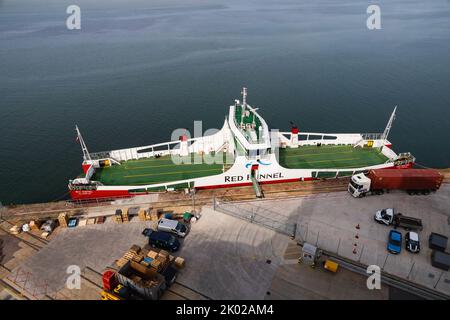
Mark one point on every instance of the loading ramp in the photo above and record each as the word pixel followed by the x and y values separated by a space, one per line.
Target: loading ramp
pixel 257 187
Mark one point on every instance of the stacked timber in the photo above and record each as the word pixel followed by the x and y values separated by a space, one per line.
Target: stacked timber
pixel 63 219
pixel 135 249
pixel 118 216
pixel 146 214
pixel 154 214
pixel 129 255
pixel 142 215
pixel 125 216
pixel 138 257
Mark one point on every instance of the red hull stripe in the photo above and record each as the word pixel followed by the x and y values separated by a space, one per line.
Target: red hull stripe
pixel 96 194
pixel 104 194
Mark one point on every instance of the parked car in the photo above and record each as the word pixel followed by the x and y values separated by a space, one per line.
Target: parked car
pixel 440 260
pixel 437 241
pixel 49 226
pixel 412 243
pixel 162 240
pixel 172 226
pixel 394 242
pixel 384 216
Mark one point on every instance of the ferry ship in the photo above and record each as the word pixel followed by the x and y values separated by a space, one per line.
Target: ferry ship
pixel 244 152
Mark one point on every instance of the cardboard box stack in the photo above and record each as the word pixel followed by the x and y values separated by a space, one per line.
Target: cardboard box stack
pixel 179 262
pixel 15 229
pixel 63 219
pixel 147 260
pixel 45 235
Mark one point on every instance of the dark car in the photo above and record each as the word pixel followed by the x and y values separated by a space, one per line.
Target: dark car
pixel 412 243
pixel 394 242
pixel 163 240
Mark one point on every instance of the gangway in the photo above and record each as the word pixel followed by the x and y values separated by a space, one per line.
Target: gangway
pixel 257 187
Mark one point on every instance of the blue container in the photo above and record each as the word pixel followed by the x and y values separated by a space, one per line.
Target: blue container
pixel 148 260
pixel 168 216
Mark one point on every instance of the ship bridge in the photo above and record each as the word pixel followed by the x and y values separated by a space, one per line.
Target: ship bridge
pixel 249 129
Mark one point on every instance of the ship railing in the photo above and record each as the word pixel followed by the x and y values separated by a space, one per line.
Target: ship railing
pixel 100 155
pixel 372 136
pixel 312 138
pixel 343 172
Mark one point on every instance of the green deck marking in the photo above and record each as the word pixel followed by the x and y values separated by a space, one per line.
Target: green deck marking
pixel 315 154
pixel 333 157
pixel 348 159
pixel 156 170
pixel 163 170
pixel 157 174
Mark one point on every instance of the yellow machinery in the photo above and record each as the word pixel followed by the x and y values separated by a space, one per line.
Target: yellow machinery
pixel 331 266
pixel 115 295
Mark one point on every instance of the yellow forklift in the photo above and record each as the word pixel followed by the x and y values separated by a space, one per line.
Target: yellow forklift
pixel 119 293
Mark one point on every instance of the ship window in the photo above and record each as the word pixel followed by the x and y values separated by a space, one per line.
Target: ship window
pixel 303 137
pixel 329 137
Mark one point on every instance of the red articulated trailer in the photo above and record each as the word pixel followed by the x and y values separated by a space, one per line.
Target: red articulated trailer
pixel 414 181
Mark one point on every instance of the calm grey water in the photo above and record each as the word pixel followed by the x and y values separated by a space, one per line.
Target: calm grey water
pixel 139 69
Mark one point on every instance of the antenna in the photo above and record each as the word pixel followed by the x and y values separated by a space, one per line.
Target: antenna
pixel 86 154
pixel 389 125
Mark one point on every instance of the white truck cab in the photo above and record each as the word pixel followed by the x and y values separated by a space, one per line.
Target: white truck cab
pixel 172 226
pixel 359 185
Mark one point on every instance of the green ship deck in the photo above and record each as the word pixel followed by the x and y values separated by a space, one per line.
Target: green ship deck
pixel 154 170
pixel 324 157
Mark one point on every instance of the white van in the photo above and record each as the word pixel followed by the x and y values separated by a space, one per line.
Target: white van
pixel 172 226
